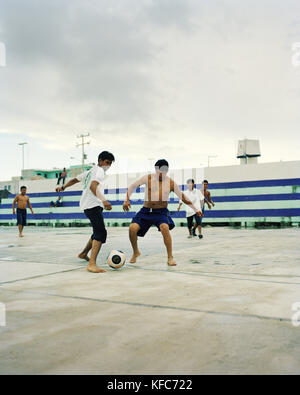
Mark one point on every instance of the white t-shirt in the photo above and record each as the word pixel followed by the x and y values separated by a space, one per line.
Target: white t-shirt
pixel 196 197
pixel 88 199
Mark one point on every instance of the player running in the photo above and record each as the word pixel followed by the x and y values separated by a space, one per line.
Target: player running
pixel 196 197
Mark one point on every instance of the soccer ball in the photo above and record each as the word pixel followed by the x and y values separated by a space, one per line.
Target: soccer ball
pixel 116 259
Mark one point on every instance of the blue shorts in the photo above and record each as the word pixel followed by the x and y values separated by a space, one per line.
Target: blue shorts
pixel 21 216
pixel 147 217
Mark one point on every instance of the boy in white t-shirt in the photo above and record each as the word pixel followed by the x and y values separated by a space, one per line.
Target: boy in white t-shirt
pixel 93 202
pixel 197 198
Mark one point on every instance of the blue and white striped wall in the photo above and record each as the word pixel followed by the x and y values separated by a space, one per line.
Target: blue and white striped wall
pixel 245 202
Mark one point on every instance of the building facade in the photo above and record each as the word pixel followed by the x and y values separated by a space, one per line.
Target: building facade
pixel 244 195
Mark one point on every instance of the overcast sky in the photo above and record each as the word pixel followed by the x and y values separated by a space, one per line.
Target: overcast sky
pixel 174 79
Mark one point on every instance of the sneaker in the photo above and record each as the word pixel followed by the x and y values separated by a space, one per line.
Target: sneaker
pixel 200 237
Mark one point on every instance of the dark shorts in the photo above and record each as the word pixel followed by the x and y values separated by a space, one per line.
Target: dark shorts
pixel 195 217
pixel 192 218
pixel 147 217
pixel 95 216
pixel 21 216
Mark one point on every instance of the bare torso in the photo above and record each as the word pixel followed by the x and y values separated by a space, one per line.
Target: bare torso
pixel 157 191
pixel 207 196
pixel 22 201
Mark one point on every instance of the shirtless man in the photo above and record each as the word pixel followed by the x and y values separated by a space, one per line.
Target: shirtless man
pixel 155 211
pixel 207 200
pixel 22 201
pixel 207 195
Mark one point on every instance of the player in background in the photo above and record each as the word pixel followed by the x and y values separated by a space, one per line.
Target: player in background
pixel 196 197
pixel 22 201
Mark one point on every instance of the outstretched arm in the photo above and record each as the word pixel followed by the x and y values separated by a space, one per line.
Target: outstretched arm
pixel 73 181
pixel 132 187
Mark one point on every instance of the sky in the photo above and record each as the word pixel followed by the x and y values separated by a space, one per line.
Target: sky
pixel 148 79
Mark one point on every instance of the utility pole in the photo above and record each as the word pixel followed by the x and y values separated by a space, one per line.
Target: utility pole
pixel 82 144
pixel 22 144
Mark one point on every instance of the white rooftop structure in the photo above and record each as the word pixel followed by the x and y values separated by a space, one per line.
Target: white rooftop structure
pixel 248 151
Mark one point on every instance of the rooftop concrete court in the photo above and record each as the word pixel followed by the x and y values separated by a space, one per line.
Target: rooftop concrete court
pixel 226 308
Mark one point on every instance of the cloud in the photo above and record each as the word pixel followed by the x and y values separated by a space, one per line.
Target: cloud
pixel 79 55
pixel 148 77
pixel 169 13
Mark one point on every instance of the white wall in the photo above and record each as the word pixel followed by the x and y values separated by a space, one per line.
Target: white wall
pixel 36 186
pixel 250 172
pixel 253 172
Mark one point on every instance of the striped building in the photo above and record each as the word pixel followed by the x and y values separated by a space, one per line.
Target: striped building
pixel 246 195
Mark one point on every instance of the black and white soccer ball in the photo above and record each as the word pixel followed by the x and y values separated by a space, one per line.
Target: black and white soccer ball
pixel 116 259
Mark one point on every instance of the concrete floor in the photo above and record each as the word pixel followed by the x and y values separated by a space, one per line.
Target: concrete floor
pixel 226 307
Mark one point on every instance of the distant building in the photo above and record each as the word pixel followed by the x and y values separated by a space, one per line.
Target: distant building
pixel 245 195
pixel 12 186
pixel 249 194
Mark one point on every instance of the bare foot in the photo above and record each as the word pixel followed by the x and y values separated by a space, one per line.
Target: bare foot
pixel 20 235
pixel 83 256
pixel 94 268
pixel 171 262
pixel 134 257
